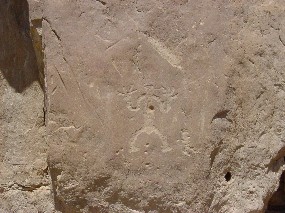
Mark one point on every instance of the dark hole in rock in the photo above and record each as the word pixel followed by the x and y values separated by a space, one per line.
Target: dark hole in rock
pixel 276 203
pixel 221 114
pixel 228 176
pixel 151 107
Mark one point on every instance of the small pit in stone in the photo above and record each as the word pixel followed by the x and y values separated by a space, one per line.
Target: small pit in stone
pixel 151 107
pixel 228 176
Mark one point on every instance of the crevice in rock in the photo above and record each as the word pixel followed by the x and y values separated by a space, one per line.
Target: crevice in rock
pixel 30 188
pixel 53 30
pixel 281 40
pixel 36 36
pixel 276 203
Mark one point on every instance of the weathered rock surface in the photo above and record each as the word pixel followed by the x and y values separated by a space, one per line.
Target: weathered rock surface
pixel 151 106
pixel 25 185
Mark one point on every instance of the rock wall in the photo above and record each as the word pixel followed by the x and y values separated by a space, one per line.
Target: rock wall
pixel 25 185
pixel 144 106
pixel 252 147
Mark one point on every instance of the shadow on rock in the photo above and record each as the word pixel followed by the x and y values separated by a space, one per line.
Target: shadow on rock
pixel 18 63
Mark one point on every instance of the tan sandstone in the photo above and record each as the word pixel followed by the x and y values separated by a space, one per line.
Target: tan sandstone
pixel 142 106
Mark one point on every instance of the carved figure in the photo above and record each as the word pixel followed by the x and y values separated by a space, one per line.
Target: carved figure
pixel 145 101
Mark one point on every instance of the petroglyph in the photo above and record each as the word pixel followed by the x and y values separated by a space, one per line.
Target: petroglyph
pixel 146 101
pixel 185 140
pixel 165 53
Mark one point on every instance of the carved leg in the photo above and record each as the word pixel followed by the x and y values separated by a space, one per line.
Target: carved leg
pixel 165 147
pixel 133 147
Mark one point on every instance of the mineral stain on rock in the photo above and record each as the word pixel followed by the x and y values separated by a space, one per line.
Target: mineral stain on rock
pixel 142 106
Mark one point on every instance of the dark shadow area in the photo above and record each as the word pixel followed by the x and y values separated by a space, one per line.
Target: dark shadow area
pixel 54 173
pixel 276 203
pixel 228 176
pixel 18 63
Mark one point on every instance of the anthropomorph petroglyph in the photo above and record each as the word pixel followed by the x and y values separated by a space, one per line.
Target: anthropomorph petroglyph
pixel 146 101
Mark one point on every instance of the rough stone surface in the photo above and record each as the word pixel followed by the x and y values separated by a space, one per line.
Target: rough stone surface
pixel 150 106
pixel 25 185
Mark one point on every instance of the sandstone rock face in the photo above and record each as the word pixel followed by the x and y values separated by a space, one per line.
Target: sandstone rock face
pixel 150 106
pixel 24 180
pixel 132 91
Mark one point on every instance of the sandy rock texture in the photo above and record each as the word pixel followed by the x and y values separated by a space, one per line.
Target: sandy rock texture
pixel 142 106
pixel 25 185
